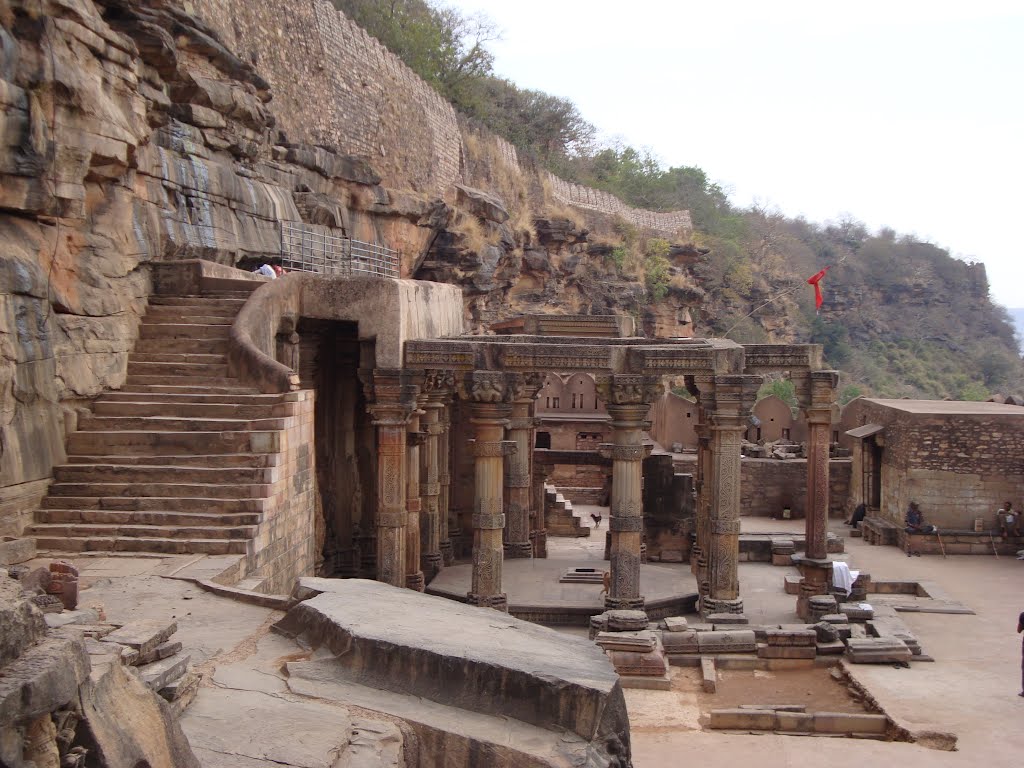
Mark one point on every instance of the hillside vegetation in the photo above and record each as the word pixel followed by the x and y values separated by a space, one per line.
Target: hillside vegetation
pixel 901 318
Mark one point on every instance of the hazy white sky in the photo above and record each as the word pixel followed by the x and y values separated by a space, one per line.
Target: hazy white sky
pixel 903 113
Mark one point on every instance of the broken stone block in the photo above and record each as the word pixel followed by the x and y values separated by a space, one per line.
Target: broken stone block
pixel 785 652
pixel 743 719
pixel 727 619
pixel 143 636
pixel 858 612
pixel 680 642
pixel 791 638
pixel 709 675
pixel 13 551
pixel 734 641
pixel 162 651
pixel 180 693
pixel 825 632
pixel 626 621
pixel 81 616
pixel 637 642
pixel 794 722
pixel 629 663
pixel 831 649
pixel 842 722
pixel 877 650
pixel 162 673
pixel 48 604
pixel 676 624
pixel 42 679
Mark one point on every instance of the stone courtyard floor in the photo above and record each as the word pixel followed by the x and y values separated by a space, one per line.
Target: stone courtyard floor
pixel 970 690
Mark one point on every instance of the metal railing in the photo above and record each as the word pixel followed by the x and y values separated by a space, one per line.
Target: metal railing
pixel 324 251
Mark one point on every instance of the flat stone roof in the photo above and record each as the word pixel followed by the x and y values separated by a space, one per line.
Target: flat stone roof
pixel 950 407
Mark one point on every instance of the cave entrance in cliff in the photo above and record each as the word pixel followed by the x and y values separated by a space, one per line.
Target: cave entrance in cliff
pixel 330 357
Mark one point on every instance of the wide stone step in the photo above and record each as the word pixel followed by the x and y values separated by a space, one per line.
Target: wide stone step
pixel 158 356
pixel 187 397
pixel 195 383
pixel 120 473
pixel 177 346
pixel 184 504
pixel 146 517
pixel 163 546
pixel 200 410
pixel 198 308
pixel 226 387
pixel 151 490
pixel 188 318
pixel 164 443
pixel 183 331
pixel 208 460
pixel 196 301
pixel 208 370
pixel 105 530
pixel 170 424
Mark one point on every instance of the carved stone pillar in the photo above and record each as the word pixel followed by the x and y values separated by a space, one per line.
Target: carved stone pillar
pixel 413 504
pixel 518 476
pixel 815 568
pixel 699 556
pixel 437 387
pixel 539 532
pixel 727 406
pixel 628 399
pixel 392 399
pixel 444 455
pixel 488 396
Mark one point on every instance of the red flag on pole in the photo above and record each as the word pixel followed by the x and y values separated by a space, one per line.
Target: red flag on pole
pixel 816 282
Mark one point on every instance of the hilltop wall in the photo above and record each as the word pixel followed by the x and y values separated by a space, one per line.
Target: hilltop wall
pixel 334 84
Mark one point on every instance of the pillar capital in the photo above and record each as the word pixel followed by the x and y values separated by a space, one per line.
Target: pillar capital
pixel 391 394
pixel 618 389
pixel 489 387
pixel 727 400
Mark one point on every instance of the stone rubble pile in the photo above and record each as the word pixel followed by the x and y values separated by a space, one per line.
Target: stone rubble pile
pixel 65 697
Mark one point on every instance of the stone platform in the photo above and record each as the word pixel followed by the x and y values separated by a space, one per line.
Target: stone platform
pixel 535 594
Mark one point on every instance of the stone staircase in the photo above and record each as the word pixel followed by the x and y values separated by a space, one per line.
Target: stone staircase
pixel 559 517
pixel 181 459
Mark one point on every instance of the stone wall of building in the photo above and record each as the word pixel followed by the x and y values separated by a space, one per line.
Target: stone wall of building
pixel 769 485
pixel 673 420
pixel 285 543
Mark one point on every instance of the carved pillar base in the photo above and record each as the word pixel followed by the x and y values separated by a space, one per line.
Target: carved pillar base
pixel 624 603
pixel 519 550
pixel 816 579
pixel 433 562
pixel 709 606
pixel 447 554
pixel 498 602
pixel 416 581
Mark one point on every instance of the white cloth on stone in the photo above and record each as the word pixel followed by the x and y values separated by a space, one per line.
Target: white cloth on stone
pixel 843 577
pixel 266 270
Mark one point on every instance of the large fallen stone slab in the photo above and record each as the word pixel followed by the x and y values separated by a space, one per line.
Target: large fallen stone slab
pixel 475 659
pixel 143 636
pixel 877 650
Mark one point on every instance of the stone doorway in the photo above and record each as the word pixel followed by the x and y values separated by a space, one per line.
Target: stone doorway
pixel 330 358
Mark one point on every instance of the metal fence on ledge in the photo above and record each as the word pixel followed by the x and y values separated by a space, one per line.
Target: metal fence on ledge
pixel 324 251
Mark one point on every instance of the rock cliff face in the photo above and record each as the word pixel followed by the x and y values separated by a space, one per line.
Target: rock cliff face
pixel 136 131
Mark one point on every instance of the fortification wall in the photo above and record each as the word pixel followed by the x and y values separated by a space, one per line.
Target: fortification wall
pixel 333 84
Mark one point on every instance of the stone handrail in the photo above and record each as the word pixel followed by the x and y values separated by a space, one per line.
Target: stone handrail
pixel 253 338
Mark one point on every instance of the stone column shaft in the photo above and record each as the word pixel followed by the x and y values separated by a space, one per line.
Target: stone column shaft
pixel 539 532
pixel 489 450
pixel 518 476
pixel 391 510
pixel 445 479
pixel 430 491
pixel 724 547
pixel 413 505
pixel 626 521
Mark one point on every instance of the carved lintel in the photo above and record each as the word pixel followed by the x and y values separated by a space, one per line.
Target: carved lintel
pixel 438 381
pixel 629 389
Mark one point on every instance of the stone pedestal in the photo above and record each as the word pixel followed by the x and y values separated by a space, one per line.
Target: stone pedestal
pixel 627 399
pixel 488 396
pixel 815 579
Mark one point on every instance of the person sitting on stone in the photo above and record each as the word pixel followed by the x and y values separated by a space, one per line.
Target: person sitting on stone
pixel 914 518
pixel 1009 520
pixel 859 513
